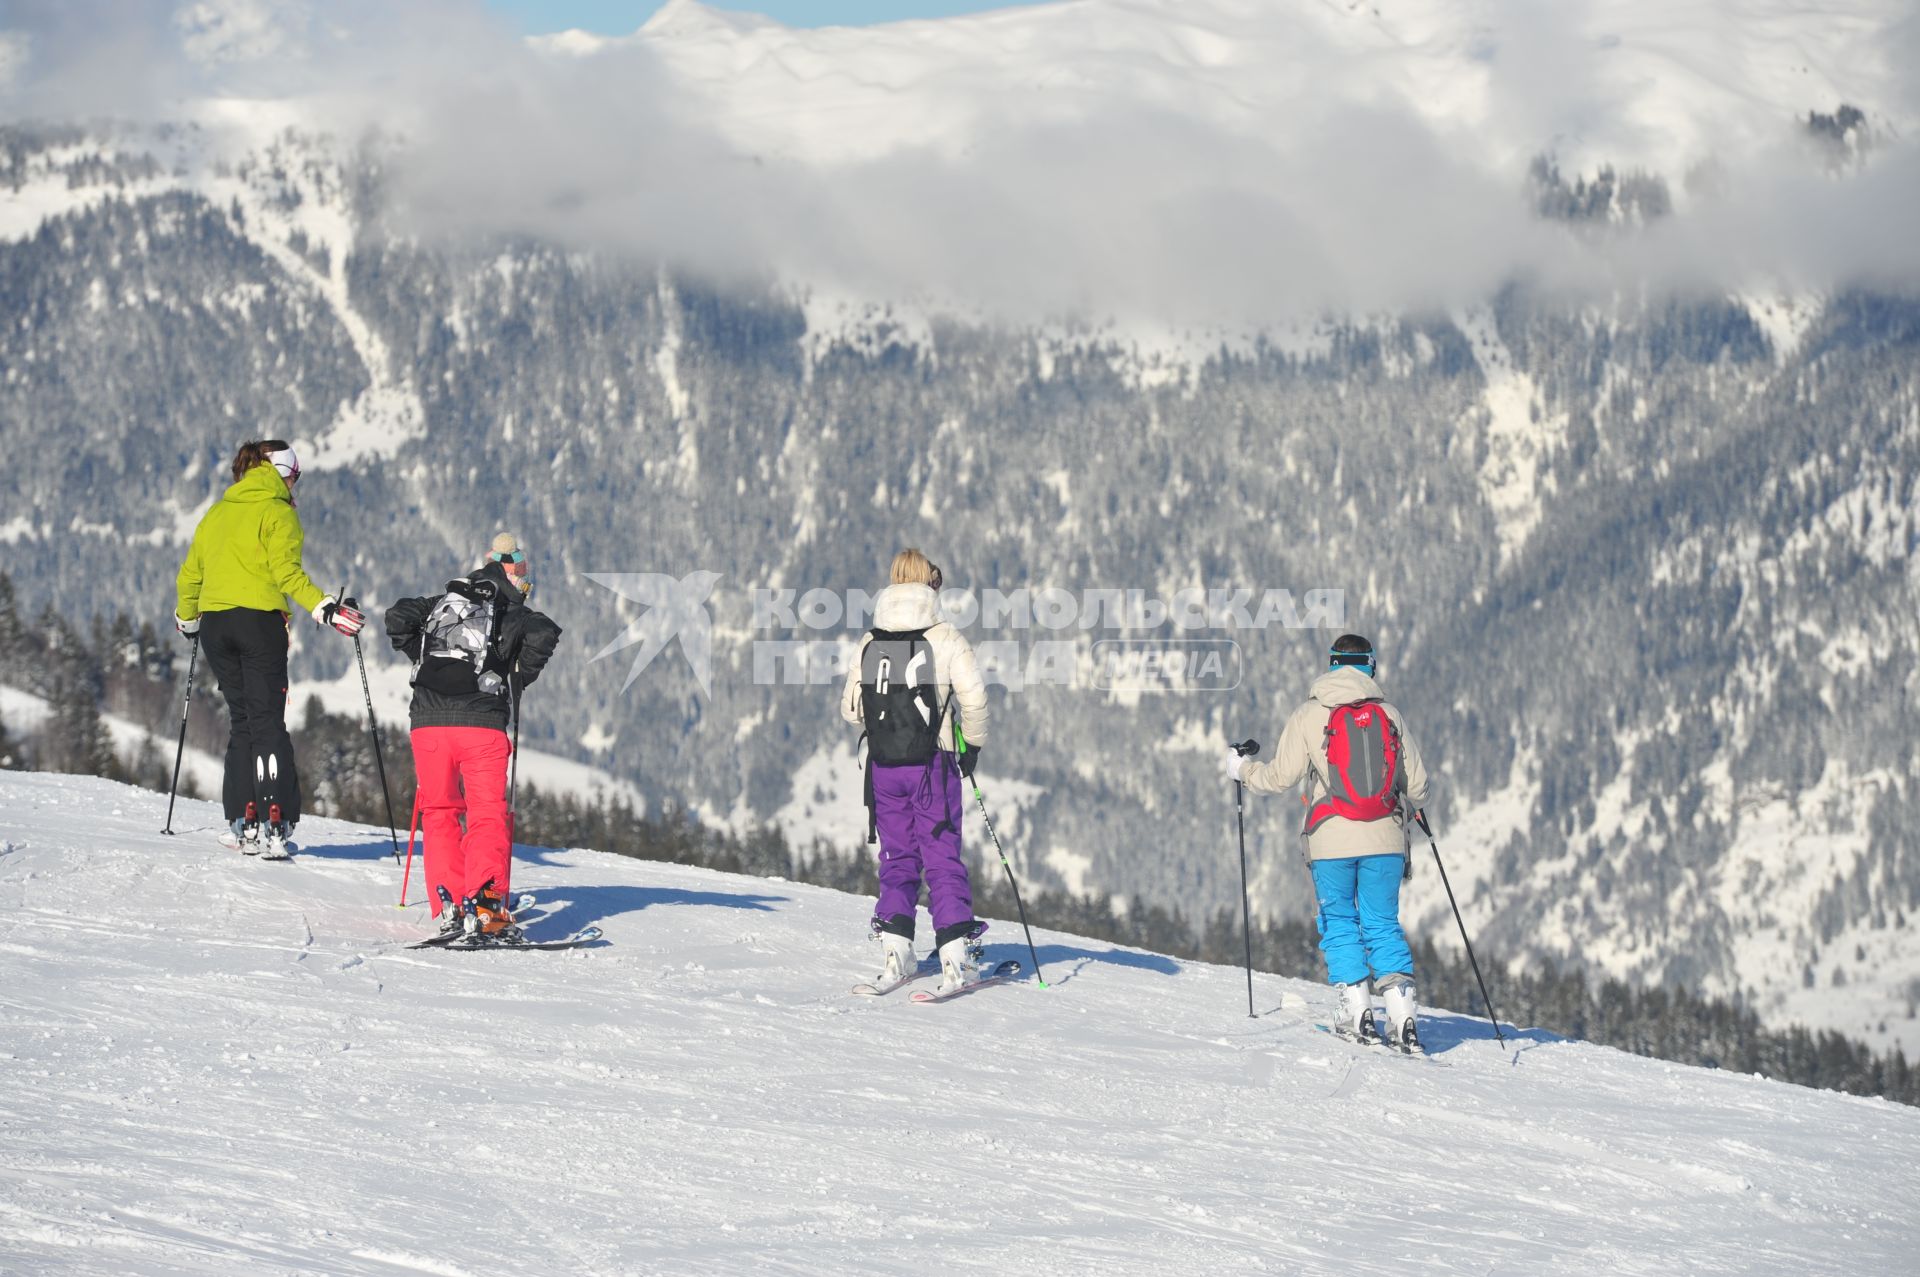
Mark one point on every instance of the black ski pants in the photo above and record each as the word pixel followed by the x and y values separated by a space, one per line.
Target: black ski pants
pixel 248 652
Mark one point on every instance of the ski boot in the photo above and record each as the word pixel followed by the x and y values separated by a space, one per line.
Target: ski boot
pixel 897 962
pixel 274 843
pixel 487 918
pixel 245 833
pixel 1403 1033
pixel 452 920
pixel 960 959
pixel 1355 1019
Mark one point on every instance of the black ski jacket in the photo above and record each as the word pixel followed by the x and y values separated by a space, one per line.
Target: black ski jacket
pixel 521 650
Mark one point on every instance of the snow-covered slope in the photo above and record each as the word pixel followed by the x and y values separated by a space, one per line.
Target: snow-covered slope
pixel 238 266
pixel 212 1065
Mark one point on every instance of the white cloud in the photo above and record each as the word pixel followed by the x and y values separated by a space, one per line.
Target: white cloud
pixel 1202 162
pixel 217 31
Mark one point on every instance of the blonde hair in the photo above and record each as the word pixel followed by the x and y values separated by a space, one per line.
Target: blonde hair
pixel 910 567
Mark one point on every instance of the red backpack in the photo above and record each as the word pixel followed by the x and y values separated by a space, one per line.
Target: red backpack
pixel 1363 765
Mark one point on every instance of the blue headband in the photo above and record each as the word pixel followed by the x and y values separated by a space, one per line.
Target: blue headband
pixel 1352 660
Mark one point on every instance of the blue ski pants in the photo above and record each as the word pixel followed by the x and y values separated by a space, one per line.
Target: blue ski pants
pixel 1360 917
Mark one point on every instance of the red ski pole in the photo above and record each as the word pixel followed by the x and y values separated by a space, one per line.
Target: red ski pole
pixel 513 766
pixel 407 874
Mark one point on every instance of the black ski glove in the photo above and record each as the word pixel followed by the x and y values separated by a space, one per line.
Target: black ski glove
pixel 969 760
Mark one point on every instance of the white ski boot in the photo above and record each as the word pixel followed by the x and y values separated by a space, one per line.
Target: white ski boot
pixel 1403 1032
pixel 897 962
pixel 275 842
pixel 1354 1020
pixel 959 964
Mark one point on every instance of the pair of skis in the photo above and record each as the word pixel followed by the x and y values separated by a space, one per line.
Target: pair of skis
pixel 460 941
pixel 1377 1045
pixel 1000 973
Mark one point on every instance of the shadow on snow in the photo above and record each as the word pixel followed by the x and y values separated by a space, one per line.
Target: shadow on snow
pixel 1063 962
pixel 1440 1034
pixel 581 905
pixel 373 849
pixel 576 906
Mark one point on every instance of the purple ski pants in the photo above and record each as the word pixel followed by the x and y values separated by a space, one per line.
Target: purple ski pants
pixel 917 810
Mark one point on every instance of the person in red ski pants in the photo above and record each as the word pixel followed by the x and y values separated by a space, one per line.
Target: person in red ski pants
pixel 475 647
pixel 461 774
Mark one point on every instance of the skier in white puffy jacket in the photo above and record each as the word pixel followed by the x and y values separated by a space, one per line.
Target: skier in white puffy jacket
pixel 915 679
pixel 1363 774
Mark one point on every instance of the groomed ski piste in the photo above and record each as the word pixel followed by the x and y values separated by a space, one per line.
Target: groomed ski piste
pixel 211 1065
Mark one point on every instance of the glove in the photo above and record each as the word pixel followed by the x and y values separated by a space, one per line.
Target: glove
pixel 969 760
pixel 188 628
pixel 344 617
pixel 1233 764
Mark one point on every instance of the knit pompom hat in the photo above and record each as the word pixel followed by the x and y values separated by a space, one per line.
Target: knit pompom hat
pixel 512 559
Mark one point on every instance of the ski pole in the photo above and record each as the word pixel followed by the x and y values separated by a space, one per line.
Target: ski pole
pixel 1246 749
pixel 406 874
pixel 513 764
pixel 379 762
pixel 960 746
pixel 180 750
pixel 1492 1015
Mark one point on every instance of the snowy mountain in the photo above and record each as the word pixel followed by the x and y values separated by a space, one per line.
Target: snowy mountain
pixel 1577 346
pixel 248 1073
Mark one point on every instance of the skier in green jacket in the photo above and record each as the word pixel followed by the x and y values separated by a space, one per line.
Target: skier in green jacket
pixel 243 565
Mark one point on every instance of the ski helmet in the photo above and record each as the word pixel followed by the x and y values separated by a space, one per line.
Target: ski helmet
pixel 287 463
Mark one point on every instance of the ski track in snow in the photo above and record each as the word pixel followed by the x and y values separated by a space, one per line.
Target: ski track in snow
pixel 213 1065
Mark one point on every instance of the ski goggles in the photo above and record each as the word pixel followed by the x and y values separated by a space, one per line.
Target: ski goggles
pixel 287 464
pixel 1363 661
pixel 936 579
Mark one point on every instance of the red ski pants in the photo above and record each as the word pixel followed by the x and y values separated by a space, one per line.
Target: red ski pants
pixel 462 778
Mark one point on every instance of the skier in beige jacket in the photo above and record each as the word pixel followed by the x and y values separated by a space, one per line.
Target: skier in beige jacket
pixel 1363 774
pixel 913 681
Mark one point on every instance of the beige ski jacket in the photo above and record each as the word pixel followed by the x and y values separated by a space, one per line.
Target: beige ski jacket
pixel 1302 755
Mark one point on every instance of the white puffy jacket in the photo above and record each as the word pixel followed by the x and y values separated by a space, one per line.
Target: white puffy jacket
pixel 917 607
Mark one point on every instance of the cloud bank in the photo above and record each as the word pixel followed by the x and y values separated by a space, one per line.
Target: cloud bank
pixel 1136 160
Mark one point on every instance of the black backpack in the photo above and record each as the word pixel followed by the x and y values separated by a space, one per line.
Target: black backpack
pixel 459 642
pixel 899 700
